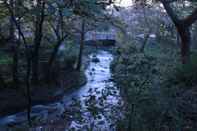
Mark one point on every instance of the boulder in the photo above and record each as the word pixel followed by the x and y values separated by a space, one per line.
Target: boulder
pixel 95 60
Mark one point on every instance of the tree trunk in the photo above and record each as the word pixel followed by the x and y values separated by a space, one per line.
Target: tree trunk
pixel 145 42
pixel 11 29
pixel 81 46
pixel 29 104
pixel 59 28
pixel 59 32
pixel 54 54
pixel 37 41
pixel 51 60
pixel 178 40
pixel 185 44
pixel 15 66
pixel 2 82
pixel 28 60
pixel 35 65
pixel 14 46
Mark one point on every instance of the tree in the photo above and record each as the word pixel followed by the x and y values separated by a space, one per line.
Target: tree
pixel 182 25
pixel 28 59
pixel 82 38
pixel 39 20
pixel 91 10
pixel 14 46
pixel 61 31
pixel 148 33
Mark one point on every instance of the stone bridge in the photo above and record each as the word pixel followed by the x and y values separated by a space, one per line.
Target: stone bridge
pixel 103 37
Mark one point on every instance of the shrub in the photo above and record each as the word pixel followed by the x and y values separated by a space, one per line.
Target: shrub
pixel 5 59
pixel 150 106
pixel 70 55
pixel 186 74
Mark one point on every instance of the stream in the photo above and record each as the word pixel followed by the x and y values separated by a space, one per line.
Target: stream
pixel 94 106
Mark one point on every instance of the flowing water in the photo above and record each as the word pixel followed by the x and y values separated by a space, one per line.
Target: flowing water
pixel 95 106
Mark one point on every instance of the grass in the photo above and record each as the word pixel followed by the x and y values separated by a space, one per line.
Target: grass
pixel 5 59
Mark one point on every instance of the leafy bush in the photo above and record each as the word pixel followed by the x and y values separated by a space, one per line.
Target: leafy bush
pixel 5 59
pixel 135 75
pixel 185 75
pixel 70 54
pixel 152 103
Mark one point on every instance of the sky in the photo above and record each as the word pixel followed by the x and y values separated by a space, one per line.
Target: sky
pixel 124 3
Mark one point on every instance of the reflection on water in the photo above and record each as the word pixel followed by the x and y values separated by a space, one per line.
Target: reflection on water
pixel 93 106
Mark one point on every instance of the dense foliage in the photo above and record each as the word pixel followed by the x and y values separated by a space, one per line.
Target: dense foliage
pixel 157 91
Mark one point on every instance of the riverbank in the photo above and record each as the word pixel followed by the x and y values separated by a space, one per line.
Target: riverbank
pixel 97 102
pixel 94 106
pixel 41 94
pixel 160 93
